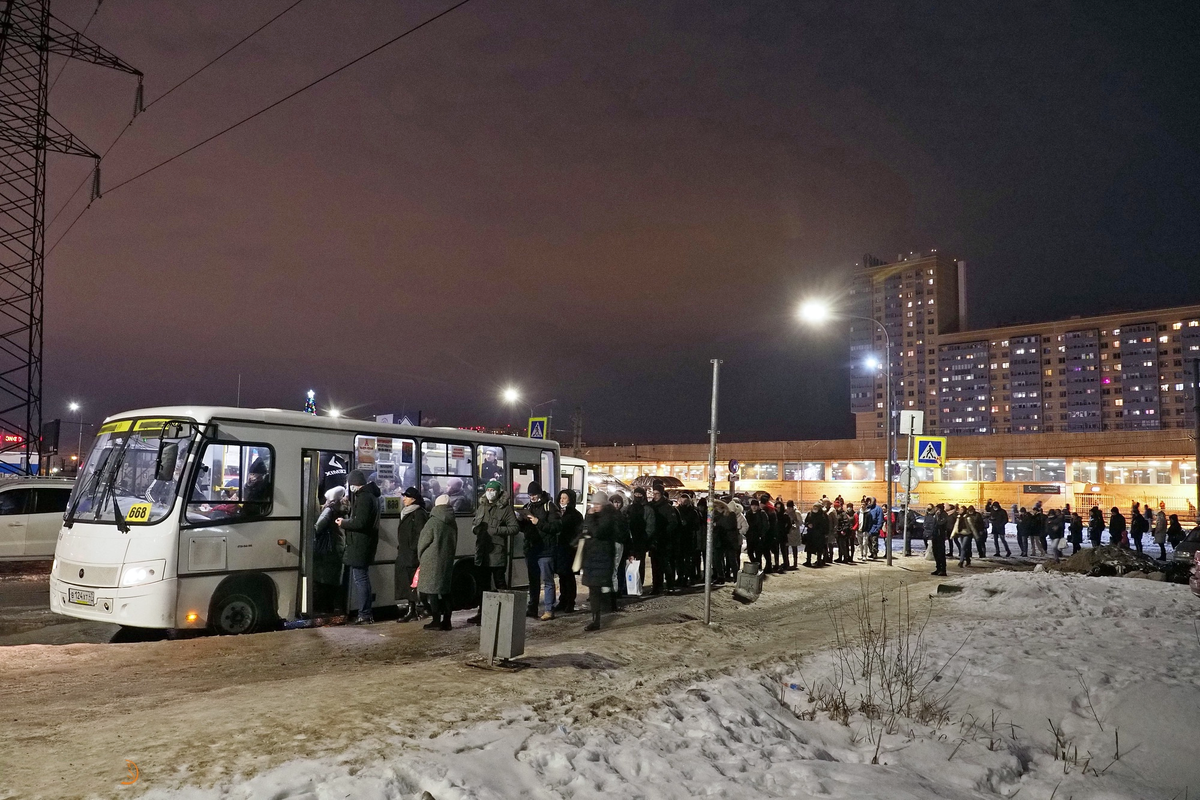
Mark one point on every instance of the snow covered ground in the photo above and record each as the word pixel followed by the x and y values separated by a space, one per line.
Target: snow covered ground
pixel 1057 686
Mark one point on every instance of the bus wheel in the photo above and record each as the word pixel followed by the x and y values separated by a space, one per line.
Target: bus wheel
pixel 238 612
pixel 464 592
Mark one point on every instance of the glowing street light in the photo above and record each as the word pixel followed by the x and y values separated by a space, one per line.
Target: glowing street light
pixel 77 409
pixel 511 395
pixel 817 311
pixel 814 311
pixel 333 412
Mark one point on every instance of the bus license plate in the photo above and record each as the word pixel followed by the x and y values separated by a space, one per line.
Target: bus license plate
pixel 81 597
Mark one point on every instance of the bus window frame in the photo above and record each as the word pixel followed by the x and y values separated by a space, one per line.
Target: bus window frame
pixel 472 448
pixel 185 523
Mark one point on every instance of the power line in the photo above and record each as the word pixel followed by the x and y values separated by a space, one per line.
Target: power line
pixel 285 98
pixel 244 39
pixel 264 110
pixel 229 50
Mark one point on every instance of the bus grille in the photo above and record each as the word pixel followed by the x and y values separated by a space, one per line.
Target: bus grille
pixel 92 574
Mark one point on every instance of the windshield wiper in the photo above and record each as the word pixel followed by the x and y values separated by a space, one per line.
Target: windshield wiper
pixel 89 490
pixel 110 487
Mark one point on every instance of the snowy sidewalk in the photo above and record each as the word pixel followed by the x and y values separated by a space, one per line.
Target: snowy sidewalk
pixel 1047 676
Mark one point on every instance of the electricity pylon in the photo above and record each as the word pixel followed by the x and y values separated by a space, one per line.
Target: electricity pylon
pixel 29 35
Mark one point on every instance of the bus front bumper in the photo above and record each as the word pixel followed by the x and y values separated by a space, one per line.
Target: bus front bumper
pixel 149 606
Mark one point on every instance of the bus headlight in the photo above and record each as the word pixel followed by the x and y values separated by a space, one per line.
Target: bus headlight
pixel 143 572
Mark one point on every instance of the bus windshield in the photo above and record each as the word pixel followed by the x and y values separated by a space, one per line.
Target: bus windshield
pixel 119 473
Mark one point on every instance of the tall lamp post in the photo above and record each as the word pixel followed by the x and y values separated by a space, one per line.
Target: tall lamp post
pixel 817 312
pixel 78 410
pixel 512 396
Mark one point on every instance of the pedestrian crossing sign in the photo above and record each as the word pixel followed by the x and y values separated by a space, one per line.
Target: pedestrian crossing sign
pixel 537 427
pixel 929 451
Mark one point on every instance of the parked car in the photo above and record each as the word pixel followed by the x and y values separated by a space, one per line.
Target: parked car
pixel 608 484
pixel 31 513
pixel 647 481
pixel 1187 549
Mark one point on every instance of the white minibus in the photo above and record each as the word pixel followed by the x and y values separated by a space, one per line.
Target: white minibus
pixel 185 518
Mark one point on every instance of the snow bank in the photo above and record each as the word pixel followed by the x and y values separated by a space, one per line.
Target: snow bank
pixel 1046 676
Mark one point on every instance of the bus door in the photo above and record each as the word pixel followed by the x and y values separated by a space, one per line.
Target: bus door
pixel 319 594
pixel 522 476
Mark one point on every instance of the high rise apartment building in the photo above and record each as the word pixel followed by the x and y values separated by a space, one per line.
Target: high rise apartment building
pixel 917 299
pixel 1127 371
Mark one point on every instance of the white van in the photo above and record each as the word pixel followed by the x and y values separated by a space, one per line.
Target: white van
pixel 31 513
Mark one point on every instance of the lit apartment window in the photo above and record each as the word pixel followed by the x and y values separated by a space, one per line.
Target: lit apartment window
pixel 1164 339
pixel 1118 402
pixel 1177 326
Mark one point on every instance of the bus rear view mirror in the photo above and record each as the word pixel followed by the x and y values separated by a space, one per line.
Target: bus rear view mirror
pixel 168 454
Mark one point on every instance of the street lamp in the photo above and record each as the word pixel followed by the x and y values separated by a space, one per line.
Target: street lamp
pixel 78 411
pixel 815 311
pixel 512 396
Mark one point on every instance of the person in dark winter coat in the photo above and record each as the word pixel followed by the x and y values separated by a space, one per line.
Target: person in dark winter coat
pixel 564 554
pixel 685 551
pixel 412 520
pixel 494 526
pixel 816 525
pixel 935 536
pixel 1118 534
pixel 642 521
pixel 1096 526
pixel 756 519
pixel 999 525
pixel 770 533
pixel 437 545
pixel 846 522
pixel 1023 520
pixel 1160 533
pixel 1055 532
pixel 599 529
pixel 1037 529
pixel 1174 531
pixel 665 542
pixel 782 528
pixel 362 540
pixel 1137 526
pixel 328 546
pixel 727 546
pixel 621 544
pixel 540 523
pixel 1075 532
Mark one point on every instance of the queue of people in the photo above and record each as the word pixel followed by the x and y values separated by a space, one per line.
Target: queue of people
pixel 615 538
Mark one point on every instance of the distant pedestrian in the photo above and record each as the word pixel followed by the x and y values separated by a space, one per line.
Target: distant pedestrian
pixel 1160 534
pixel 663 546
pixel 1055 532
pixel 999 519
pixel 540 523
pixel 935 537
pixel 328 546
pixel 690 527
pixel 1075 531
pixel 1137 526
pixel 1096 526
pixel 1118 534
pixel 640 519
pixel 1174 531
pixel 794 537
pixel 816 525
pixel 1024 532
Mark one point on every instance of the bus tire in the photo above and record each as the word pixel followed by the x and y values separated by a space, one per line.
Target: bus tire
pixel 464 591
pixel 242 607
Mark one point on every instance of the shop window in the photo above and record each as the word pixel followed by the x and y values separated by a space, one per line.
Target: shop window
pixel 237 484
pixel 852 470
pixel 447 468
pixel 760 471
pixel 1085 472
pixel 1187 472
pixel 804 470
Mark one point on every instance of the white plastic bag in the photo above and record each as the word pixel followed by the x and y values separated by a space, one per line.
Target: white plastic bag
pixel 633 578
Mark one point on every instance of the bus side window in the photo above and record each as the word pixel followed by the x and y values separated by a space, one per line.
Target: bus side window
pixel 238 484
pixel 491 465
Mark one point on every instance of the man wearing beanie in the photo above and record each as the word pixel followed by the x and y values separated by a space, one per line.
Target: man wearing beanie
pixel 494 525
pixel 540 523
pixel 362 539
pixel 412 519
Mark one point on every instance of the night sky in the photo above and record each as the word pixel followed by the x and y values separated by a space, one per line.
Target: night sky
pixel 590 200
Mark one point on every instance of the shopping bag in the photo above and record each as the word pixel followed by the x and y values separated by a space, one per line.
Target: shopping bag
pixel 633 578
pixel 577 564
pixel 416 575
